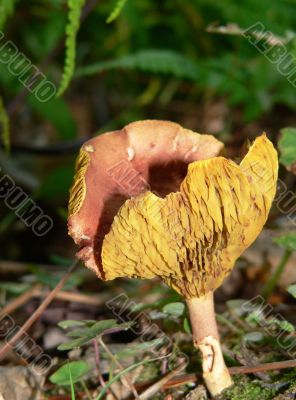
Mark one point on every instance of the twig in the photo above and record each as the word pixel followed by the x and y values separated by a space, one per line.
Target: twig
pixel 37 291
pixel 77 297
pixel 249 359
pixel 234 29
pixel 263 367
pixel 125 371
pixel 111 355
pixel 19 301
pixel 159 385
pixel 101 379
pixel 184 379
pixel 164 365
pixel 86 389
pixel 14 267
pixel 223 320
pixel 7 347
pixel 97 358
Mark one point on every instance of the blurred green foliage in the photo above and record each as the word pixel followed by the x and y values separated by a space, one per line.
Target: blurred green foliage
pixel 89 330
pixel 223 65
pixel 70 373
pixel 4 121
pixel 119 61
pixel 287 241
pixel 113 62
pixel 75 9
pixel 287 146
pixel 7 8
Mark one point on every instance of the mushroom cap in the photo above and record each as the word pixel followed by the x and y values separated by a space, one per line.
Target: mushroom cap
pixel 192 238
pixel 113 167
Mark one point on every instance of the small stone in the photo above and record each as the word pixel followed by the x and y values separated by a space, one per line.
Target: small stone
pixel 198 393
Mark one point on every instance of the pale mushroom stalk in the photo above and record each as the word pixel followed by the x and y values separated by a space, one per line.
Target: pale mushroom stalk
pixel 206 339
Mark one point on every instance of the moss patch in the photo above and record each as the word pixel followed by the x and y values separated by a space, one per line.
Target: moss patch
pixel 246 390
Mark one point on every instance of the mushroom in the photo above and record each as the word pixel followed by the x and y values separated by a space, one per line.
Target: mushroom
pixel 189 237
pixel 115 166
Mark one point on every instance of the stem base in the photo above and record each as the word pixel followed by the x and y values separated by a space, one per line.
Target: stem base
pixel 215 372
pixel 206 339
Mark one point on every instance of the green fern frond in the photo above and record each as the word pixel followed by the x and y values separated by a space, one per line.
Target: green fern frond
pixel 6 10
pixel 5 131
pixel 156 61
pixel 116 11
pixel 75 8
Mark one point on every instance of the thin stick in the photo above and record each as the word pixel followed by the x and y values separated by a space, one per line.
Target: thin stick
pixel 86 389
pixel 233 29
pixel 27 325
pixel 111 355
pixel 156 387
pixel 125 371
pixel 80 298
pixel 181 380
pixel 19 301
pixel 263 367
pixel 101 379
pixel 14 267
pixel 223 320
pixel 184 379
pixel 37 291
pixel 97 358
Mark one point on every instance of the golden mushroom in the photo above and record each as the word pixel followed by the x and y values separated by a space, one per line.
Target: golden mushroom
pixel 190 238
pixel 115 166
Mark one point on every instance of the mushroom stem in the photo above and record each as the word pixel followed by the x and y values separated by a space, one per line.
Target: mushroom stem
pixel 206 339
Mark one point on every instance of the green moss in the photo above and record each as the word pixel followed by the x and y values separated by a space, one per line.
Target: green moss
pixel 289 377
pixel 243 389
pixel 287 395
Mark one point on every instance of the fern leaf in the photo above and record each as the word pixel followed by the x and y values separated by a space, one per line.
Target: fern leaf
pixel 116 11
pixel 75 8
pixel 5 131
pixel 155 61
pixel 6 10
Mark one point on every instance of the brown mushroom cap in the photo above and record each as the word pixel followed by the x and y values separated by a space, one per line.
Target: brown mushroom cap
pixel 117 165
pixel 192 238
